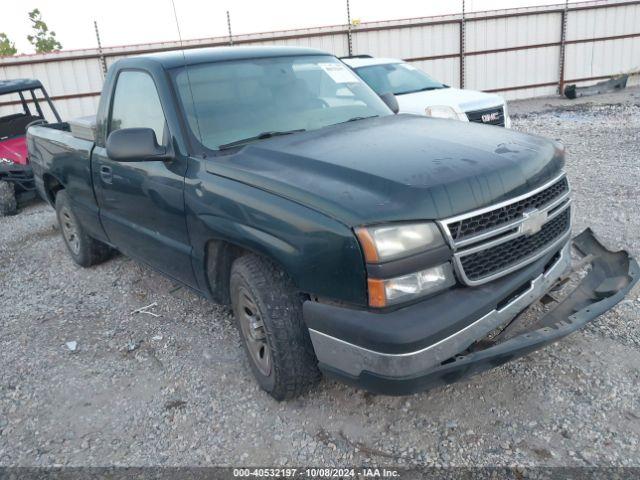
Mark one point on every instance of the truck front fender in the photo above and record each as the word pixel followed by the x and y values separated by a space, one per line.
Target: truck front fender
pixel 320 254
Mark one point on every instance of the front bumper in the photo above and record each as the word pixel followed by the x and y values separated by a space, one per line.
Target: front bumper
pixel 450 358
pixel 20 175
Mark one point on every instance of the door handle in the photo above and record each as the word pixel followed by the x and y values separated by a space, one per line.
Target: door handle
pixel 106 174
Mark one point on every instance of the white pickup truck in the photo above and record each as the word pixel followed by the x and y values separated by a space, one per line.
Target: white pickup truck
pixel 419 94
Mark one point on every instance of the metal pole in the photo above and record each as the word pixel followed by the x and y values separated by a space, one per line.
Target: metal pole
pixel 349 39
pixel 462 46
pixel 229 27
pixel 563 38
pixel 103 62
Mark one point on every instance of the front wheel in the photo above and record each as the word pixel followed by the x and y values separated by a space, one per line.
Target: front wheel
pixel 268 312
pixel 84 250
pixel 8 202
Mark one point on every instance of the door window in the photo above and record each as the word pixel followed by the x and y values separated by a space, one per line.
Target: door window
pixel 136 104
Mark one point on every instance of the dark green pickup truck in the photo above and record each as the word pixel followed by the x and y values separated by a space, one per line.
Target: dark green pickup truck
pixel 391 251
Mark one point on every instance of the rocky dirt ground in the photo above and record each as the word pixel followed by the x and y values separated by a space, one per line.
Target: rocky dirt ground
pixel 175 389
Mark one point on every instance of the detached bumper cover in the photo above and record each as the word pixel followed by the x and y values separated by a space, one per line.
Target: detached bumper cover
pixel 609 279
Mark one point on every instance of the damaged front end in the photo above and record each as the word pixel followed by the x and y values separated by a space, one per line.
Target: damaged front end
pixel 609 277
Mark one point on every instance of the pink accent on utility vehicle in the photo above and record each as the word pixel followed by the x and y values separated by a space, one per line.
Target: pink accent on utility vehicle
pixel 14 149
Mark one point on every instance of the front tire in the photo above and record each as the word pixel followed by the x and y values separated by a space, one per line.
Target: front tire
pixel 85 250
pixel 268 312
pixel 8 202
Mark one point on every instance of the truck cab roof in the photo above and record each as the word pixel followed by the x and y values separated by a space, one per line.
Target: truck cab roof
pixel 178 58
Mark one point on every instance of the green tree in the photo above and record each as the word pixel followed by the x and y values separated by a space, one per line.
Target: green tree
pixel 43 39
pixel 7 47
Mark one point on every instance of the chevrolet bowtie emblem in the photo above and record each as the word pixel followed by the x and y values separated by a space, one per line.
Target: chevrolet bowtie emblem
pixel 533 221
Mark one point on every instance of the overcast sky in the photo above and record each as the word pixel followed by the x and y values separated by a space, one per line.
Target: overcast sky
pixel 124 22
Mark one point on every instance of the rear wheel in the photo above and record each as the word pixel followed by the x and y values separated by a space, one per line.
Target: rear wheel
pixel 8 202
pixel 268 312
pixel 84 250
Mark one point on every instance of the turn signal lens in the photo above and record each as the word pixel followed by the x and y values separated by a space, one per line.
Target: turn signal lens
pixel 368 245
pixel 377 297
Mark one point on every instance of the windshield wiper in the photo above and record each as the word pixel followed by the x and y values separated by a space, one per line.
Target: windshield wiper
pixel 355 119
pixel 260 136
pixel 425 89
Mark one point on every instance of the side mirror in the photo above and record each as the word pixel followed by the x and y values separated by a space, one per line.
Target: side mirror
pixel 135 145
pixel 391 101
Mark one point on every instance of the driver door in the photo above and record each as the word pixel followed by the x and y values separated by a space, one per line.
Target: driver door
pixel 142 202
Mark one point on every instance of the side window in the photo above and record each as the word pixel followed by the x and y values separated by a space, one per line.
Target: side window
pixel 136 104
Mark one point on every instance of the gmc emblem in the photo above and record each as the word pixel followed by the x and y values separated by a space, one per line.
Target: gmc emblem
pixel 490 117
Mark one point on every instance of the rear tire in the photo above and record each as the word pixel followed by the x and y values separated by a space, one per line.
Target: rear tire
pixel 268 312
pixel 84 250
pixel 8 202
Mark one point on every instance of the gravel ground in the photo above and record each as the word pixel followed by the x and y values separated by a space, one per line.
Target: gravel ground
pixel 176 389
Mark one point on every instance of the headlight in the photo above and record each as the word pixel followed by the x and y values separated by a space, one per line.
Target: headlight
pixel 389 242
pixel 383 293
pixel 444 111
pixel 385 243
pixel 6 160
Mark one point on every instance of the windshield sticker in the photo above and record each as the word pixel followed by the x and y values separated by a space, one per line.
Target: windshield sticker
pixel 339 73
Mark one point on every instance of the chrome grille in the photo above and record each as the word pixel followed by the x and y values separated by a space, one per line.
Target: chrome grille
pixel 494 241
pixel 469 227
pixel 485 262
pixel 487 116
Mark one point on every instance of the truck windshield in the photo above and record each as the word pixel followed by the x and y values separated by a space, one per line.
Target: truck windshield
pixel 397 78
pixel 229 104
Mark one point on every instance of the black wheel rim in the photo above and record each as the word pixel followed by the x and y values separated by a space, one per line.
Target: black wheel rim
pixel 253 332
pixel 70 231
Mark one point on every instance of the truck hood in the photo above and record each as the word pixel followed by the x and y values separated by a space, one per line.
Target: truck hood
pixel 14 149
pixel 465 100
pixel 395 168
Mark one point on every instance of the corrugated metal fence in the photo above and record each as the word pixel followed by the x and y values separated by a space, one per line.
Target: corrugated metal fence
pixel 520 53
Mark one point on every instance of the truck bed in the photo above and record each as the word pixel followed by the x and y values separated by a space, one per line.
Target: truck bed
pixel 60 158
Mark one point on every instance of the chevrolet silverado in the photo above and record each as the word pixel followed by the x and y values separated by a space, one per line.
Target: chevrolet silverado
pixel 390 251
